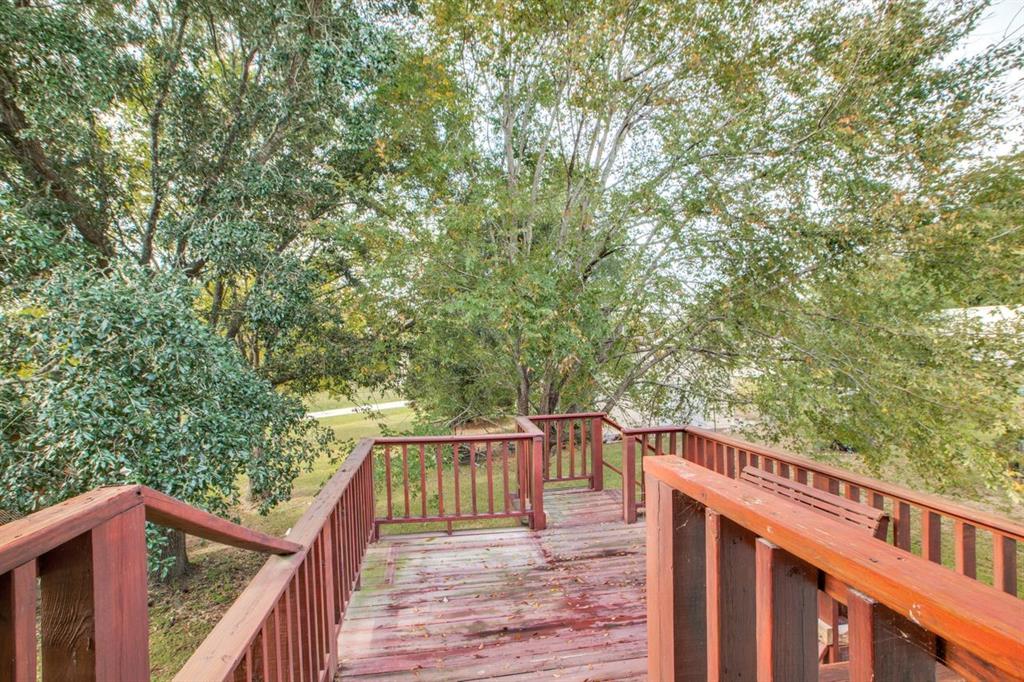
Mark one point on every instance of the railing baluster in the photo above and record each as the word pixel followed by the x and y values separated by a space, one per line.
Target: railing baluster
pixel 629 478
pixel 901 521
pixel 405 476
pixel 931 536
pixel 572 448
pixel 787 640
pixel 455 470
pixel 597 453
pixel 387 478
pixel 472 473
pixel 440 479
pixel 583 447
pixel 309 644
pixel 558 448
pixel 1004 563
pixel 423 480
pixel 548 426
pixel 885 646
pixel 490 481
pixel 731 613
pixel 963 543
pixel 18 623
pixel 504 474
pixel 538 519
pixel 264 654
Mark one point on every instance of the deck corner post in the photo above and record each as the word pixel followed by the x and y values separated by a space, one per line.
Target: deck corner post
pixel 597 453
pixel 95 621
pixel 676 590
pixel 629 478
pixel 538 520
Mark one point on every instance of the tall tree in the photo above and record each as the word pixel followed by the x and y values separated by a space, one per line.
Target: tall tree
pixel 187 191
pixel 665 200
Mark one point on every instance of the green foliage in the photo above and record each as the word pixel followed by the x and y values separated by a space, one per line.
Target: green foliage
pixel 692 207
pixel 110 378
pixel 187 193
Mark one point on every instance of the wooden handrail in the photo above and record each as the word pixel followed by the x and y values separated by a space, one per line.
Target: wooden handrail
pixel 27 538
pixel 34 535
pixel 527 427
pixel 264 611
pixel 923 500
pixel 88 556
pixel 460 438
pixel 973 620
pixel 169 512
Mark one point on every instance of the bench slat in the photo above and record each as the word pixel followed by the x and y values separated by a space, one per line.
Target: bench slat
pixel 875 521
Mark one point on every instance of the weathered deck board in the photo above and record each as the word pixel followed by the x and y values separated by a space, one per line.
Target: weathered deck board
pixel 566 603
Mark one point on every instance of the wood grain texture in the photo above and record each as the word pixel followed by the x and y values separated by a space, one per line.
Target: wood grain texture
pixel 966 614
pixel 677 595
pixel 918 499
pixel 820 501
pixel 884 646
pixel 731 612
pixel 94 621
pixel 787 633
pixel 26 539
pixel 509 604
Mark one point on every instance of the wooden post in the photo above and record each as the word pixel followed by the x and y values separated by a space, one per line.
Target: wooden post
pixel 18 624
pixel 629 479
pixel 538 519
pixel 731 616
pixel 597 453
pixel 885 646
pixel 95 624
pixel 676 593
pixel 787 633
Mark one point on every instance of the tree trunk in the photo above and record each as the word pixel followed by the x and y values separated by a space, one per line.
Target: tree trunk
pixel 174 549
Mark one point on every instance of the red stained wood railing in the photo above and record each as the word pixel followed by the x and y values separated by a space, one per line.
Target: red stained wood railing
pixel 573 447
pixel 721 555
pixel 638 443
pixel 285 624
pixel 457 479
pixel 939 523
pixel 83 563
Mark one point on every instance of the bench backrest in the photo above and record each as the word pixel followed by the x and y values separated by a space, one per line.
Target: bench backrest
pixel 875 521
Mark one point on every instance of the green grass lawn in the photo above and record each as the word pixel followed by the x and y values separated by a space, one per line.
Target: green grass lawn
pixel 182 614
pixel 322 400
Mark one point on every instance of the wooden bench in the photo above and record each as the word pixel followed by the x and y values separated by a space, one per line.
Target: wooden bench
pixel 874 521
pixel 832 632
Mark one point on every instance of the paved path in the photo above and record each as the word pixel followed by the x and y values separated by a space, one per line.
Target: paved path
pixel 337 412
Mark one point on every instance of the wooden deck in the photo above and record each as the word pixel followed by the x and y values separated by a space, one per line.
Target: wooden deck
pixel 565 603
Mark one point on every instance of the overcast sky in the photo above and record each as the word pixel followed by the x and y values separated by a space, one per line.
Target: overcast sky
pixel 1004 21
